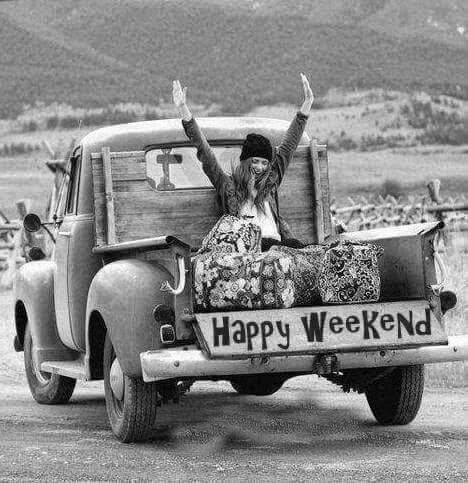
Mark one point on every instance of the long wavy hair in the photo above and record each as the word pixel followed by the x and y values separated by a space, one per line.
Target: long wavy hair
pixel 244 181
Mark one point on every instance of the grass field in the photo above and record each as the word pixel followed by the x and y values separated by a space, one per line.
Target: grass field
pixel 353 116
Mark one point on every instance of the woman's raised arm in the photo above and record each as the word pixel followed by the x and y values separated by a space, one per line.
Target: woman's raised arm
pixel 294 133
pixel 204 152
pixel 179 96
pixel 308 96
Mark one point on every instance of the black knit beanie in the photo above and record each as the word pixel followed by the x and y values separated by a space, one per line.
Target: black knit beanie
pixel 256 145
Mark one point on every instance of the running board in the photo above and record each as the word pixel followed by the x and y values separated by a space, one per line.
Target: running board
pixel 187 362
pixel 75 369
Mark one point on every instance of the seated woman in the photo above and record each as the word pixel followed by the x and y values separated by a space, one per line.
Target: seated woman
pixel 251 191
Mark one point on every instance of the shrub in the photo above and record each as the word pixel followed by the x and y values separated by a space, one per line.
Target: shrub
pixel 30 126
pixel 69 122
pixel 52 122
pixel 342 143
pixel 94 118
pixel 391 187
pixel 14 148
pixel 369 141
pixel 445 134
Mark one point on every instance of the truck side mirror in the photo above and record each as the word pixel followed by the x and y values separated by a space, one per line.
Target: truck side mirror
pixel 32 222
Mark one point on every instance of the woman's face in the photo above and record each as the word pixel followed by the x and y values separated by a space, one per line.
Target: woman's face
pixel 258 165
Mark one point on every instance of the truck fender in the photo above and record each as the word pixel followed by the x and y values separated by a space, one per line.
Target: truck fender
pixel 34 305
pixel 122 296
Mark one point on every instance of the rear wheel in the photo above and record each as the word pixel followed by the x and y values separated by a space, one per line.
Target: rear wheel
pixel 395 399
pixel 131 403
pixel 45 388
pixel 258 385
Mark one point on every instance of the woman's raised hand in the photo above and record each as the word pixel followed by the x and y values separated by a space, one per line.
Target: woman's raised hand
pixel 308 96
pixel 179 96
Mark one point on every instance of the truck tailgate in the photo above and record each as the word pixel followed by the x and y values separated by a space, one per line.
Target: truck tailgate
pixel 312 330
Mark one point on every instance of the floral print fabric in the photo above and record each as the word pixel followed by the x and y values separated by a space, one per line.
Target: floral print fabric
pixel 243 281
pixel 350 274
pixel 230 272
pixel 305 268
pixel 232 235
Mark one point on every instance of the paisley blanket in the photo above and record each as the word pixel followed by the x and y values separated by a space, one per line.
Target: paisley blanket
pixel 350 273
pixel 305 268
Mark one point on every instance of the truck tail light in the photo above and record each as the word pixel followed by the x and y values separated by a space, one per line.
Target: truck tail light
pixel 167 334
pixel 448 300
pixel 164 317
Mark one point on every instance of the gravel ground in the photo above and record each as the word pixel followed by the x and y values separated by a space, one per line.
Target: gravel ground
pixel 309 430
pixel 306 431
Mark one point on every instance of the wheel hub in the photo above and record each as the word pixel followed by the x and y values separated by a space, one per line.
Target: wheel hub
pixel 117 380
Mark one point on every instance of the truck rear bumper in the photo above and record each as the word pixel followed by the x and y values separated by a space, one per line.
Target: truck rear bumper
pixel 186 362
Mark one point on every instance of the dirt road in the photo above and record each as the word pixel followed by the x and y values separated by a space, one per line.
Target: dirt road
pixel 307 431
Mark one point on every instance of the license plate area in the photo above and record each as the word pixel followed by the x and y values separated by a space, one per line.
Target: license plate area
pixel 313 330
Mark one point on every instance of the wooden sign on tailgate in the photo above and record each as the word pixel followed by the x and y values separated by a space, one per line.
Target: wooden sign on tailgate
pixel 337 328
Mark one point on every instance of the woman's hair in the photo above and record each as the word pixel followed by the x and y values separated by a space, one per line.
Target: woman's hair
pixel 243 178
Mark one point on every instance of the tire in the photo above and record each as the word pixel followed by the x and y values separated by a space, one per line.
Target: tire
pixel 396 398
pixel 132 417
pixel 258 385
pixel 45 388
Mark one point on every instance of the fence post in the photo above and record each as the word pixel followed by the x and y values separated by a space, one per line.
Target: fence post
pixel 14 258
pixel 434 193
pixel 23 207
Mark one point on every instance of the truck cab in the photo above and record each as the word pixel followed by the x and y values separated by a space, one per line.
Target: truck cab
pixel 114 300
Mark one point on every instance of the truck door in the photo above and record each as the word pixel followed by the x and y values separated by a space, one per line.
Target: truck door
pixel 63 233
pixel 76 264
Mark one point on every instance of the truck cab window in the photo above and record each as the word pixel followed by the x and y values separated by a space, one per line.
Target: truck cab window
pixel 176 168
pixel 72 191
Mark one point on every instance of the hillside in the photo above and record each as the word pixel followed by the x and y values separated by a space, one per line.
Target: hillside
pixel 90 53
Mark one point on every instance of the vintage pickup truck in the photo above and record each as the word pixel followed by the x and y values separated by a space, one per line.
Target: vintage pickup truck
pixel 113 301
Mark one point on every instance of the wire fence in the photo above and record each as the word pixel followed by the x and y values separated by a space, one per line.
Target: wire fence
pixel 364 213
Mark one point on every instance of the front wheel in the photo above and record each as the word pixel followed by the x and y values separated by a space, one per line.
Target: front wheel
pixel 45 388
pixel 258 385
pixel 395 399
pixel 131 403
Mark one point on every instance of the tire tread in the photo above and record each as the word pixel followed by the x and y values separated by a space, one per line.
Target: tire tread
pixel 140 404
pixel 58 390
pixel 396 399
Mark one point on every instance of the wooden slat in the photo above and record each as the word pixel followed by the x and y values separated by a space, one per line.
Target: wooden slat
pixel 121 154
pixel 126 186
pixel 325 190
pixel 141 212
pixel 107 168
pixel 316 179
pixel 124 169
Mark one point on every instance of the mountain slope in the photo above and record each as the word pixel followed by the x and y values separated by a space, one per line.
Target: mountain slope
pixel 92 53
